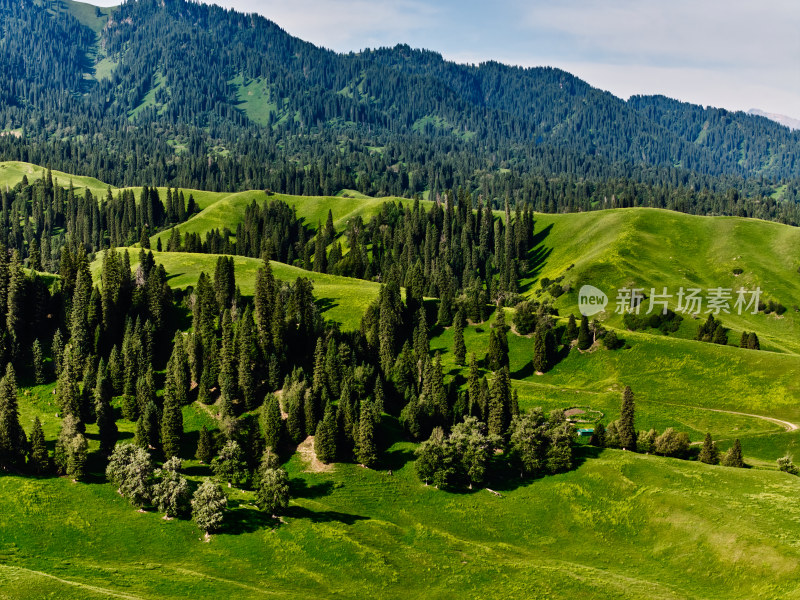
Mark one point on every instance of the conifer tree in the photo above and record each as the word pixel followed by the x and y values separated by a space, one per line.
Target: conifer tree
pixel 571 330
pixel 230 465
pixel 205 446
pixel 539 352
pixel 366 450
pixel 598 438
pixel 106 423
pixel 12 437
pixel 752 341
pixel 69 430
pixel 147 428
pixel 459 347
pixel 625 427
pixel 176 390
pixel 39 375
pixel 733 457
pixel 77 449
pixel 325 436
pixel 500 403
pixel 272 425
pixel 709 454
pixel 584 335
pixel 38 456
pixel 208 505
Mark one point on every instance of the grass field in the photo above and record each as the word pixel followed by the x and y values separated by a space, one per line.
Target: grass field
pixel 620 525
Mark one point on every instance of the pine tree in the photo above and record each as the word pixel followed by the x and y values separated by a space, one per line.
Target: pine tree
pixel 625 427
pixel 205 446
pixel 733 457
pixel 106 423
pixel 539 352
pixel 598 438
pixel 208 505
pixel 571 331
pixel 147 428
pixel 325 436
pixel 176 391
pixel 752 342
pixel 459 347
pixel 500 403
pixel 584 335
pixel 709 453
pixel 39 375
pixel 272 426
pixel 230 465
pixel 366 450
pixel 77 455
pixel 12 437
pixel 38 457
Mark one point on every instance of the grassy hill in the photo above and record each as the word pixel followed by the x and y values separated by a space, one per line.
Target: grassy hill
pixel 620 526
pixel 341 299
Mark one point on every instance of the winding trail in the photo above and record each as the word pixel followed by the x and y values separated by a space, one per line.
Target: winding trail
pixel 788 426
pixel 92 588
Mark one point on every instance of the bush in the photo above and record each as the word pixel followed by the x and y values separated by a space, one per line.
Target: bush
pixel 786 465
pixel 672 443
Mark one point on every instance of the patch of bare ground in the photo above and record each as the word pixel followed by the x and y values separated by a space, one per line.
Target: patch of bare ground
pixel 309 456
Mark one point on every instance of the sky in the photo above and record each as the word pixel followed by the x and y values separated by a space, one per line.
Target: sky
pixel 734 54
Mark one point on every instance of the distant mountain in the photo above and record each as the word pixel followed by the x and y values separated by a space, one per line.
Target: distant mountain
pixel 179 91
pixel 789 122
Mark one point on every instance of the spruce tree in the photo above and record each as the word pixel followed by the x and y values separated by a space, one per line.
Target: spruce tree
pixel 733 457
pixel 539 352
pixel 12 437
pixel 77 455
pixel 176 390
pixel 272 425
pixel 571 331
pixel 205 446
pixel 625 427
pixel 366 450
pixel 38 457
pixel 106 423
pixel 325 436
pixel 459 347
pixel 147 428
pixel 39 375
pixel 752 341
pixel 709 453
pixel 598 438
pixel 500 403
pixel 230 465
pixel 584 335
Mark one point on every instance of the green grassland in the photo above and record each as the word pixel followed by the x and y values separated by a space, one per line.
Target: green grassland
pixel 621 525
pixel 341 299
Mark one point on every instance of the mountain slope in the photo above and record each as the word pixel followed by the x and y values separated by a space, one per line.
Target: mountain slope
pixel 161 86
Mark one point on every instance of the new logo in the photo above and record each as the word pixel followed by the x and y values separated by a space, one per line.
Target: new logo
pixel 591 300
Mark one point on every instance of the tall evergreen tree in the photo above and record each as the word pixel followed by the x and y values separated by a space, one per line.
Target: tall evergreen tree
pixel 459 347
pixel 38 457
pixel 106 423
pixel 709 453
pixel 539 351
pixel 733 457
pixel 205 446
pixel 366 449
pixel 584 335
pixel 272 426
pixel 625 427
pixel 325 436
pixel 12 437
pixel 272 491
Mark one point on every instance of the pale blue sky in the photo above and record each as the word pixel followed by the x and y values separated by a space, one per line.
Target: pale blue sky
pixel 731 53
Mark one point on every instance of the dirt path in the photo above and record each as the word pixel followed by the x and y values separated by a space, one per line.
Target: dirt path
pixel 309 456
pixel 785 424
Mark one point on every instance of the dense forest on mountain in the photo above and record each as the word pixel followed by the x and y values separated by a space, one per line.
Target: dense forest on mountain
pixel 193 95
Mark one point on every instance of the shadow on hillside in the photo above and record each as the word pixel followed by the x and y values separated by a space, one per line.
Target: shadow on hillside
pixel 323 516
pixel 325 304
pixel 242 518
pixel 299 488
pixel 537 257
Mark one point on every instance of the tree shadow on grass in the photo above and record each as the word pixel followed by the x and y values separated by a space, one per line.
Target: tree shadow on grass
pixel 299 488
pixel 322 516
pixel 325 304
